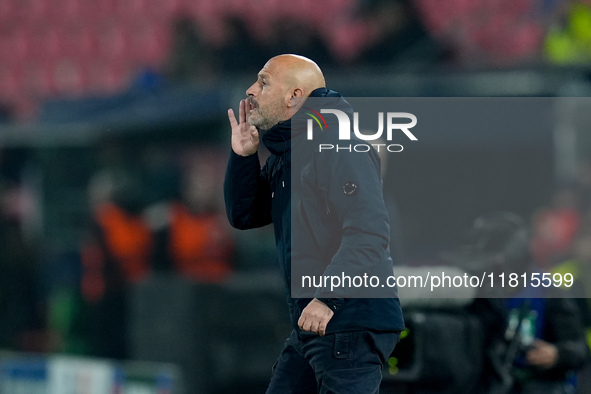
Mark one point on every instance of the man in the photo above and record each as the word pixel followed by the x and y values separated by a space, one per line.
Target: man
pixel 339 344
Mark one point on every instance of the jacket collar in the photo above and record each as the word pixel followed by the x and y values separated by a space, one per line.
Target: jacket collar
pixel 278 138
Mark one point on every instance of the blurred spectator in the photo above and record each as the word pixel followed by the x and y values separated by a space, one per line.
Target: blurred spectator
pixel 19 299
pixel 579 266
pixel 542 343
pixel 583 181
pixel 148 80
pixel 191 58
pixel 545 344
pixel 487 33
pixel 116 253
pixel 397 35
pixel 22 316
pixel 554 227
pixel 568 40
pixel 289 35
pixel 239 51
pixel 193 238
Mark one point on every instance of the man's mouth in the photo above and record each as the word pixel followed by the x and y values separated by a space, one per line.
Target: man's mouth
pixel 253 104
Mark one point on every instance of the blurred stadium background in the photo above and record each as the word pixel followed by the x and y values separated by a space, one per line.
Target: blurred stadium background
pixel 118 270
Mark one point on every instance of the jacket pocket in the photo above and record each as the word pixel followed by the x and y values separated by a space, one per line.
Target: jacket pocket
pixel 342 345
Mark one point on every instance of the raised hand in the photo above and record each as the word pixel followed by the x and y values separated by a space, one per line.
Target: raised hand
pixel 245 137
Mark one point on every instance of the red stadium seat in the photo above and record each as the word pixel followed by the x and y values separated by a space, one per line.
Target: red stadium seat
pixel 14 45
pixel 78 41
pixel 107 77
pixel 202 10
pixel 37 80
pixel 112 39
pixel 164 9
pixel 68 77
pixel 7 10
pixel 149 42
pixel 70 10
pixel 100 10
pixel 131 9
pixel 10 82
pixel 44 43
pixel 30 10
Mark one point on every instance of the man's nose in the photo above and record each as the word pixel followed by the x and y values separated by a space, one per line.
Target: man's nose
pixel 251 90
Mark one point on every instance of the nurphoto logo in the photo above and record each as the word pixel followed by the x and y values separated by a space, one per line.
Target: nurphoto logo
pixel 345 130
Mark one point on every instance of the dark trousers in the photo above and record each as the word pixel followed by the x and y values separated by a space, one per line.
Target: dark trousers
pixel 340 363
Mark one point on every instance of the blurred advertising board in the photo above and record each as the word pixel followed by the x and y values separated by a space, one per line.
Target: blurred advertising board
pixel 34 374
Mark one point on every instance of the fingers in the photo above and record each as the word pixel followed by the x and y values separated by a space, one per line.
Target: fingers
pixel 305 323
pixel 543 355
pixel 314 324
pixel 536 358
pixel 315 317
pixel 321 329
pixel 255 135
pixel 233 122
pixel 243 111
pixel 301 322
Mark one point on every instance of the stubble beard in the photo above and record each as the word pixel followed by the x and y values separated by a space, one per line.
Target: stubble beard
pixel 263 118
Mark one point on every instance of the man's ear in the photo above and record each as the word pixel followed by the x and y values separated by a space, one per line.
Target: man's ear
pixel 296 99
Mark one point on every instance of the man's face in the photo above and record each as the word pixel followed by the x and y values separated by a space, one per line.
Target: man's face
pixel 268 98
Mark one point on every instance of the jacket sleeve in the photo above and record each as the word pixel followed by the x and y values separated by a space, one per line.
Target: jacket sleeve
pixel 247 192
pixel 355 200
pixel 565 330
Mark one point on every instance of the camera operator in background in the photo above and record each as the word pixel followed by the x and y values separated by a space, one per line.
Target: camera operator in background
pixel 542 342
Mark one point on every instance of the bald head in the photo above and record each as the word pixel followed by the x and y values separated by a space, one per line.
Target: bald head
pixel 298 72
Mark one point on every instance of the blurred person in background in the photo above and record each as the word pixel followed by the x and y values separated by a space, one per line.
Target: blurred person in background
pixel 397 36
pixel 534 335
pixel 579 266
pixel 545 334
pixel 555 227
pixel 483 33
pixel 297 36
pixel 117 252
pixel 22 306
pixel 337 344
pixel 192 238
pixel 20 309
pixel 191 57
pixel 583 185
pixel 546 344
pixel 568 39
pixel 238 43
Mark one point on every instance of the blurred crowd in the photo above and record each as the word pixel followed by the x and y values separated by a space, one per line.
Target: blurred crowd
pixel 105 48
pixel 76 300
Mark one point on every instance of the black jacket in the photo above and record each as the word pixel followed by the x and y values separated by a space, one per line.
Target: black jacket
pixel 317 225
